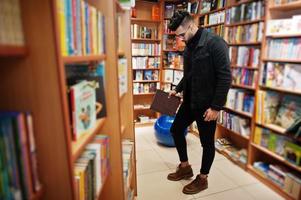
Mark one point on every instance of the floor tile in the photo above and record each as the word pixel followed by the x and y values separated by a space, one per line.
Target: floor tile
pixel 142 144
pixel 234 194
pixel 149 161
pixel 261 192
pixel 155 186
pixel 235 173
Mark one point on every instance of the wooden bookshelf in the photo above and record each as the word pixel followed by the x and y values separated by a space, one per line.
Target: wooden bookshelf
pixel 172 50
pixel 146 69
pixel 212 25
pixel 231 131
pixel 145 40
pixel 240 164
pixel 144 108
pixel 210 12
pixel 143 94
pixel 239 3
pixel 79 145
pixel 245 114
pixel 146 56
pixel 245 44
pixel 137 20
pixel 83 59
pixel 286 7
pixel 282 60
pixel 277 157
pixel 177 69
pixel 146 81
pixel 282 90
pixel 284 36
pixel 9 51
pixel 245 67
pixel 244 23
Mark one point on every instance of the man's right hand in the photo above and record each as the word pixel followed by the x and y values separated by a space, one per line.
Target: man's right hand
pixel 172 93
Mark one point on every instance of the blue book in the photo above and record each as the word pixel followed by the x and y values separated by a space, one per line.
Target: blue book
pixel 87 26
pixel 78 27
pixel 70 38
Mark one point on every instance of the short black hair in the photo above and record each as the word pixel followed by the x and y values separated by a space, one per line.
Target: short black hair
pixel 177 19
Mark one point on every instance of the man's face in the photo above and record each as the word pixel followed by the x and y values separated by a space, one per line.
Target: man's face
pixel 183 32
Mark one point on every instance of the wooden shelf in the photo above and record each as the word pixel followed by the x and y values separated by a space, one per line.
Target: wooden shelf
pixel 282 60
pixel 122 130
pixel 147 69
pixel 268 182
pixel 231 131
pixel 245 23
pixel 178 69
pixel 102 185
pixel 210 12
pixel 244 87
pixel 277 157
pixel 239 3
pixel 244 43
pixel 169 34
pixel 212 25
pixel 144 94
pixel 144 108
pixel 146 56
pixel 283 36
pixel 145 40
pixel 241 165
pixel 245 67
pixel 286 7
pixel 145 81
pixel 145 20
pixel 121 54
pixel 9 50
pixel 280 90
pixel 79 146
pixel 83 59
pixel 245 114
pixel 172 50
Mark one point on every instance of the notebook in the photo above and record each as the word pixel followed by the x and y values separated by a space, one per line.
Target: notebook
pixel 164 104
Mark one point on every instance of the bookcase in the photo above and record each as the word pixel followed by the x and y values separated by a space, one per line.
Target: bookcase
pixel 34 79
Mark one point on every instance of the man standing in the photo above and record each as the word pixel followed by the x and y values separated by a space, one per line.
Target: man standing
pixel 206 82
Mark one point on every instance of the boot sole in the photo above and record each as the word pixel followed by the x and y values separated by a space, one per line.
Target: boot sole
pixel 194 192
pixel 181 178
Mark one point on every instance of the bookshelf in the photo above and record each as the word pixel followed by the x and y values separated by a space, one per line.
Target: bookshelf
pixel 12 51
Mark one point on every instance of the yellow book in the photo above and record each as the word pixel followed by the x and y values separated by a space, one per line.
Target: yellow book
pixel 257 135
pixel 62 24
pixel 80 171
pixel 83 20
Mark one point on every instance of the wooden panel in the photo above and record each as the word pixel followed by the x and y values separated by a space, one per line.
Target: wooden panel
pixel 16 51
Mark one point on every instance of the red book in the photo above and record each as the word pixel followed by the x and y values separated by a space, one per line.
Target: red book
pixel 251 57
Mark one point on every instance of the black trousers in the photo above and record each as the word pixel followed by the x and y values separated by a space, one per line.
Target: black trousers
pixel 183 119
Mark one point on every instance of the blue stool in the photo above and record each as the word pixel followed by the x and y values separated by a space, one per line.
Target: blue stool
pixel 162 130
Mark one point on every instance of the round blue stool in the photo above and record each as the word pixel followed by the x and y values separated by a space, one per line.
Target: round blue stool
pixel 162 130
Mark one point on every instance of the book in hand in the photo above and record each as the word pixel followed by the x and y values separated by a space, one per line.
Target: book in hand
pixel 164 104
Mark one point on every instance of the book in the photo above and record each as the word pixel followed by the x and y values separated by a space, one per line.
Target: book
pixel 288 26
pixel 178 75
pixel 122 76
pixel 289 49
pixel 140 49
pixel 168 76
pixel 164 104
pixel 143 32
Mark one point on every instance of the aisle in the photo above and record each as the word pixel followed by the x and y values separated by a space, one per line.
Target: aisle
pixel 226 181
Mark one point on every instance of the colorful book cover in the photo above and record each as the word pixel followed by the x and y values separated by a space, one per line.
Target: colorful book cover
pixel 257 135
pixel 83 27
pixel 292 74
pixel 62 22
pixel 271 106
pixel 168 76
pixel 148 75
pixel 70 35
pixel 178 75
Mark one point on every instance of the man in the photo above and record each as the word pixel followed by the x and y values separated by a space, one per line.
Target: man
pixel 206 82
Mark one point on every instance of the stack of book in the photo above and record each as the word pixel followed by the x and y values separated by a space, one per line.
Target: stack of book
pixel 19 168
pixel 173 60
pixel 284 48
pixel 235 123
pixel 11 32
pixel 92 168
pixel 240 100
pixel 281 176
pixel 243 76
pixel 172 76
pixel 146 75
pixel 218 30
pixel 145 62
pixel 245 12
pixel 207 6
pixel 244 56
pixel 216 18
pixel 142 49
pixel 81 28
pixel 143 32
pixel 289 26
pixel 191 7
pixel 245 33
pixel 278 109
pixel 127 156
pixel 282 75
pixel 145 88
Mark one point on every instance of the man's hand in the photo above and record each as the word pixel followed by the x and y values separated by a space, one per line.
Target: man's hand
pixel 172 93
pixel 210 115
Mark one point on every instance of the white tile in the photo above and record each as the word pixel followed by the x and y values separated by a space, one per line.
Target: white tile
pixel 237 193
pixel 155 186
pixel 149 161
pixel 217 182
pixel 261 192
pixel 235 173
pixel 142 144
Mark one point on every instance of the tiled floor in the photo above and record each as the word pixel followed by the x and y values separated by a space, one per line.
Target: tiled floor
pixel 226 180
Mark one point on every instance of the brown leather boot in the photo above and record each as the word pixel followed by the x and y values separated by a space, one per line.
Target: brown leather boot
pixel 197 185
pixel 181 173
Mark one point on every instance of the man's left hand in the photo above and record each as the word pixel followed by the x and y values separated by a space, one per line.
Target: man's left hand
pixel 210 115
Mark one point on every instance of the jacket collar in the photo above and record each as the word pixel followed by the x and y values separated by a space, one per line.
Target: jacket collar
pixel 203 38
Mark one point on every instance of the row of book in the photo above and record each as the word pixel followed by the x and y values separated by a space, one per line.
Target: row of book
pixel 281 75
pixel 91 168
pixel 287 180
pixel 278 109
pixel 170 9
pixel 86 96
pixel 287 26
pixel 81 28
pixel 170 42
pixel 165 26
pixel 142 49
pixel 127 157
pixel 172 76
pixel 244 56
pixel 279 144
pixel 143 32
pixel 173 60
pixel 286 48
pixel 225 146
pixel 207 6
pixel 215 18
pixel 144 88
pixel 243 76
pixel 245 33
pixel 11 32
pixel 245 12
pixel 235 123
pixel 218 30
pixel 145 62
pixel 240 100
pixel 146 75
pixel 19 177
pixel 281 2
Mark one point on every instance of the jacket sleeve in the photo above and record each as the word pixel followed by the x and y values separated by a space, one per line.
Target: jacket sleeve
pixel 180 86
pixel 221 62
